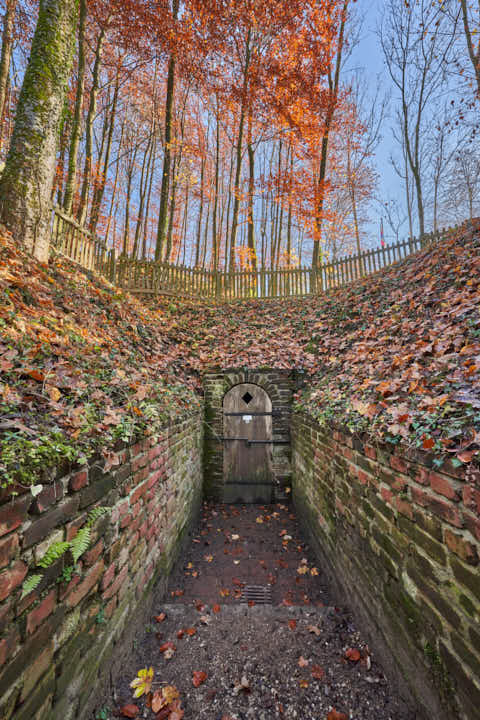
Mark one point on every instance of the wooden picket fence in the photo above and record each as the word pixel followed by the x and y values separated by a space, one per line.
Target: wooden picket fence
pixel 77 243
pixel 148 277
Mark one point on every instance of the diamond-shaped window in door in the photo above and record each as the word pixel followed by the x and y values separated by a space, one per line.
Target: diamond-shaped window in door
pixel 247 398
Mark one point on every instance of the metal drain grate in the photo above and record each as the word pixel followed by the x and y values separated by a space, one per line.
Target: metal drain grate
pixel 259 594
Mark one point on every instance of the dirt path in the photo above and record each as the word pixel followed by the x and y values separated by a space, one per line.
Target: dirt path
pixel 296 657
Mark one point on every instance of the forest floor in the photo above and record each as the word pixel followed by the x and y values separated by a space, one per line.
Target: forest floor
pixel 217 656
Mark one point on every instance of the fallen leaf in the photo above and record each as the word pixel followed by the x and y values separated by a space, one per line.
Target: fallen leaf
pixel 292 624
pixel 314 629
pixel 303 684
pixel 129 711
pixel 143 682
pixel 216 608
pixel 318 672
pixel 235 537
pixel 199 678
pixel 160 618
pixel 334 715
pixel 302 662
pixel 191 631
pixel 353 654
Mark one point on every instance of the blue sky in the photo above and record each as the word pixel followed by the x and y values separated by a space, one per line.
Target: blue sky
pixel 368 57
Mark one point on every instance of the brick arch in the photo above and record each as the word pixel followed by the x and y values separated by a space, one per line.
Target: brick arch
pixel 253 378
pixel 279 384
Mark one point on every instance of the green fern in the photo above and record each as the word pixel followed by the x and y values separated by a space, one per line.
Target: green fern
pixel 80 543
pixel 54 552
pixel 30 584
pixel 95 514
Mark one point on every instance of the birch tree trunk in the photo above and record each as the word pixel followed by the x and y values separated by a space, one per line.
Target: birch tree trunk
pixel 27 180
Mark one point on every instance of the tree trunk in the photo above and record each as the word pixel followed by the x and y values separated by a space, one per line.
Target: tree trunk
pixel 92 111
pixel 77 118
pixel 334 85
pixel 167 161
pixel 215 206
pixel 200 214
pixel 251 192
pixel 236 188
pixel 7 45
pixel 27 179
pixel 100 190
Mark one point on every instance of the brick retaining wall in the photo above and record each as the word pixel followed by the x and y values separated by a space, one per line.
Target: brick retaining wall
pixel 401 543
pixel 56 643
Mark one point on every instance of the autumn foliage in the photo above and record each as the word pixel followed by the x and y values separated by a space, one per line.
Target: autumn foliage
pixel 395 355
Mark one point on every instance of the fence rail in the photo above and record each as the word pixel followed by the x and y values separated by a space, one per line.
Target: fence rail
pixel 76 242
pixel 150 277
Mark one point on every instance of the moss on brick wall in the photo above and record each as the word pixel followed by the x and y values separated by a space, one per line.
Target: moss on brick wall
pixel 401 543
pixel 57 642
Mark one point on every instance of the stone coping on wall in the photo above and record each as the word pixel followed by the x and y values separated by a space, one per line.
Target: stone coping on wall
pixel 400 540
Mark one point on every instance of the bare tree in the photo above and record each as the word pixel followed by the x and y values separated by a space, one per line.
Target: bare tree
pixel 417 44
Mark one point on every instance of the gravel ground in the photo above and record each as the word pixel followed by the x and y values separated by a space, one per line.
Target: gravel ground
pixel 229 659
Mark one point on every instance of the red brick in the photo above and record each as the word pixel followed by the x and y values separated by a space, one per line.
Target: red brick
pixel 41 612
pixel 86 585
pixel 398 464
pixel 110 607
pixel 154 478
pixel 420 496
pixel 74 526
pixel 67 588
pixel 386 494
pixel 108 576
pixel 126 520
pixel 117 583
pixel 473 525
pixel 91 557
pixel 48 497
pixel 370 452
pixel 8 549
pixel 400 484
pixel 464 549
pixel 9 645
pixel 422 476
pixel 363 477
pixel 404 507
pixel 141 474
pixel 78 481
pixel 154 452
pixel 14 513
pixel 443 486
pixel 136 509
pixel 139 462
pixel 12 578
pixel 446 511
pixel 143 529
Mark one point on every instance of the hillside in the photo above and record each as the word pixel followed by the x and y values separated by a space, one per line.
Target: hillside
pixel 396 355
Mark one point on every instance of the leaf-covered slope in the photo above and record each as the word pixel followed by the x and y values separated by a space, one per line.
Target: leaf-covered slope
pixel 79 366
pixel 396 355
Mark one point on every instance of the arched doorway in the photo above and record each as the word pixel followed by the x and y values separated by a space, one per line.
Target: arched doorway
pixel 247 456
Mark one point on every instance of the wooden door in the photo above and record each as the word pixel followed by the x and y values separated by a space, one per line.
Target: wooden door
pixel 247 467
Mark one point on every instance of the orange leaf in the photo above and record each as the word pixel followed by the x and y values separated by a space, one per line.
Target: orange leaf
pixel 36 375
pixel 199 678
pixel 334 715
pixel 129 711
pixel 160 618
pixel 292 624
pixel 216 608
pixel 318 672
pixel 353 654
pixel 191 631
pixel 428 443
